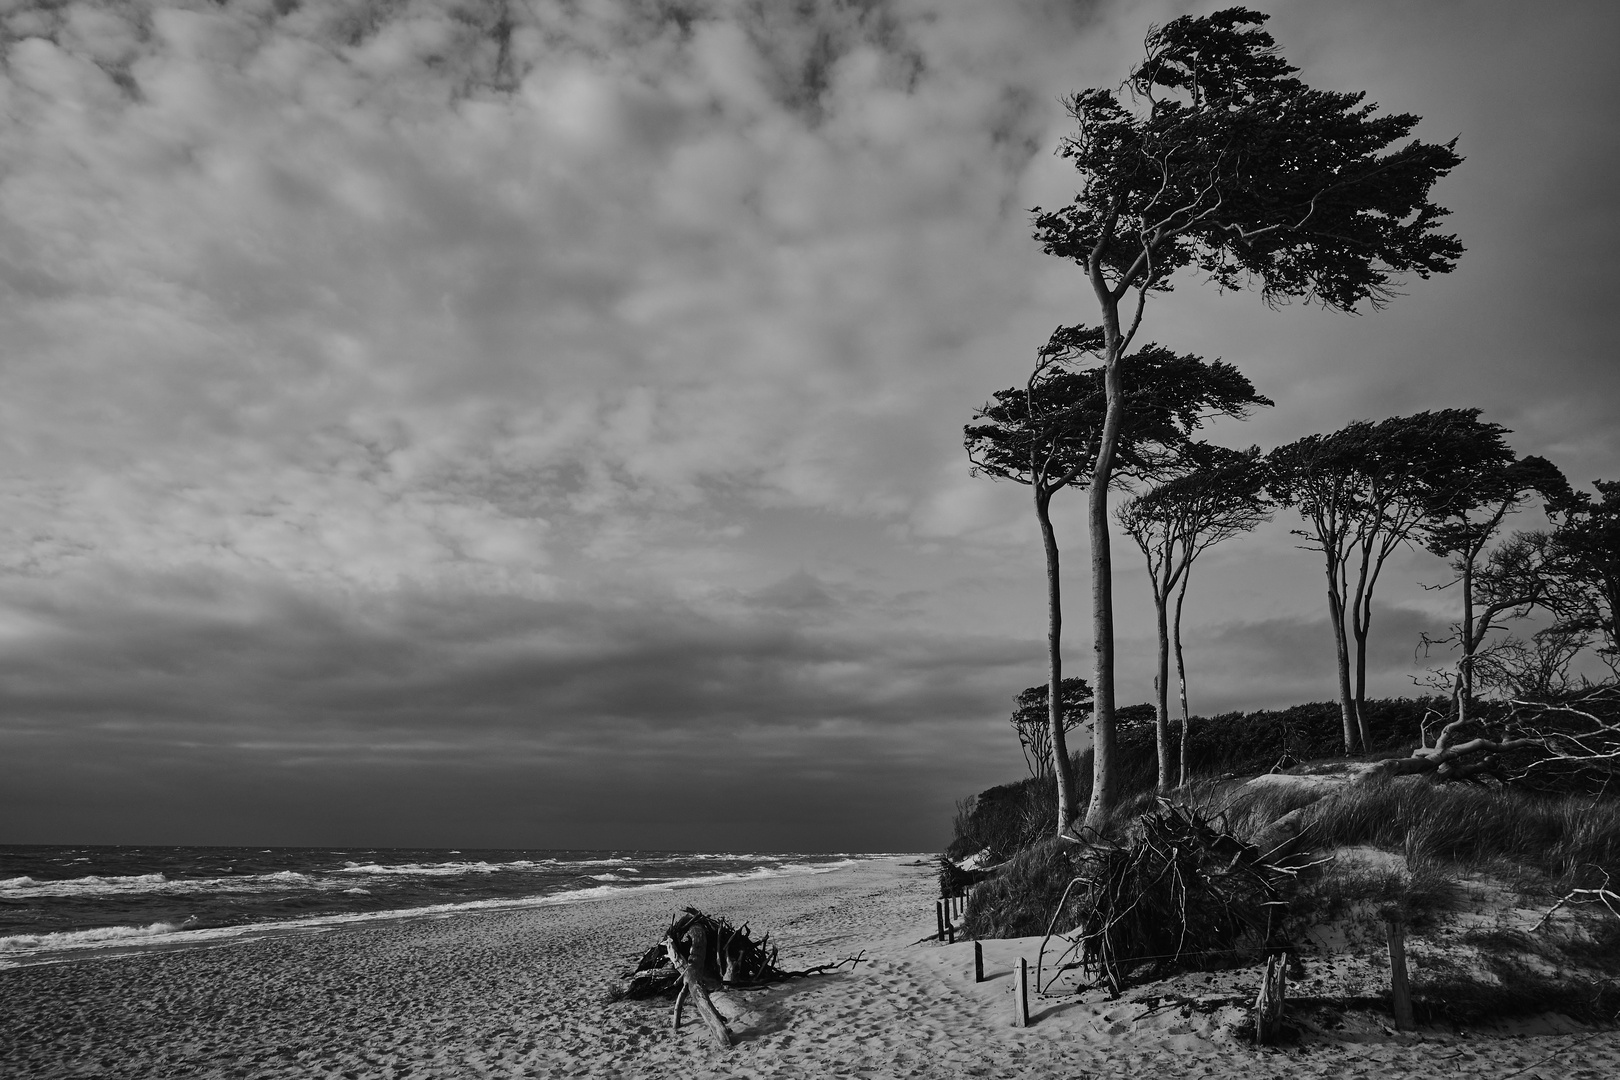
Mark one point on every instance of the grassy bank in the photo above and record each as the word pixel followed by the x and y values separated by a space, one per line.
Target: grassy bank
pixel 1463 866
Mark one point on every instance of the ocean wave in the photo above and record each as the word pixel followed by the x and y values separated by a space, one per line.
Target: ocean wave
pixel 100 937
pixel 27 888
pixel 448 869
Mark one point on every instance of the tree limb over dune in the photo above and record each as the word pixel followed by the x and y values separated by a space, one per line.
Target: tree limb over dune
pixel 1571 744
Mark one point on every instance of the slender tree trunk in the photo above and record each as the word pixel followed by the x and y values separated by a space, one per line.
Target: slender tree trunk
pixel 1104 775
pixel 1360 624
pixel 1465 680
pixel 1066 809
pixel 1347 704
pixel 1360 632
pixel 1181 677
pixel 1161 689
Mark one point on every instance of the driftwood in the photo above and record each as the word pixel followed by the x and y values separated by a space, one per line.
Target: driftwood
pixel 696 980
pixel 1600 895
pixel 700 954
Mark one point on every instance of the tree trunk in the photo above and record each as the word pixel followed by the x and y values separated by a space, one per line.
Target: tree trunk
pixel 1360 623
pixel 1105 779
pixel 1465 688
pixel 1066 809
pixel 1161 688
pixel 1360 631
pixel 1347 705
pixel 1181 678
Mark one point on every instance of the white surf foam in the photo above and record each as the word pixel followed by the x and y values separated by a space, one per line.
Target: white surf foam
pixel 20 950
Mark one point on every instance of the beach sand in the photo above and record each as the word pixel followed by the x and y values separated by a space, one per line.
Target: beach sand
pixel 520 993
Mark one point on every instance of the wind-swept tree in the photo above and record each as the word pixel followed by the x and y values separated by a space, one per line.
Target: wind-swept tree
pixel 1047 433
pixel 1214 495
pixel 1222 161
pixel 1363 492
pixel 1477 483
pixel 1031 719
pixel 1586 543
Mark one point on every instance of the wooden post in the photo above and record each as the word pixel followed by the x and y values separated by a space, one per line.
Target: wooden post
pixel 978 962
pixel 1021 994
pixel 1400 993
pixel 939 916
pixel 1268 1003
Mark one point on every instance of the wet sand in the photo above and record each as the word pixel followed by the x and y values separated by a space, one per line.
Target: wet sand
pixel 515 994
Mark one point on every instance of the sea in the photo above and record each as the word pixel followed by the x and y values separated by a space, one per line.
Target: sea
pixel 69 903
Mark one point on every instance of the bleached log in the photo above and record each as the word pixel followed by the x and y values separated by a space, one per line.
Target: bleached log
pixel 697 981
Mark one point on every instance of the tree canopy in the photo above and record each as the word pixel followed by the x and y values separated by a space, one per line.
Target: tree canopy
pixel 1048 432
pixel 1222 160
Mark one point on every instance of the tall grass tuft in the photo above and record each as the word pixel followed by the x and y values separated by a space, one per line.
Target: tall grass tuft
pixel 1556 836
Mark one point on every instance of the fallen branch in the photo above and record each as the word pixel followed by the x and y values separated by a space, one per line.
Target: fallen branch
pixel 1600 895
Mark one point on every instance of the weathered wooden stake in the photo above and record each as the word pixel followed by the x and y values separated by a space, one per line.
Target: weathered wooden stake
pixel 978 962
pixel 1400 993
pixel 1268 1003
pixel 939 915
pixel 1021 994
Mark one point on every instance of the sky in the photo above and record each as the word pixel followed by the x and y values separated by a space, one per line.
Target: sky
pixel 538 424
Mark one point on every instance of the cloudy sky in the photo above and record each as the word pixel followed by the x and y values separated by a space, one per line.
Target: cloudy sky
pixel 539 423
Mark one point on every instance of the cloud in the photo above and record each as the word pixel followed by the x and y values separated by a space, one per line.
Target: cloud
pixel 481 383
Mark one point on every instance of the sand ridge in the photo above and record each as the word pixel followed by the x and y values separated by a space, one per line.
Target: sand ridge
pixel 519 994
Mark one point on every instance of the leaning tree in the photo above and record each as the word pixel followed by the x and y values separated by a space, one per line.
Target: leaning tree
pixel 1219 160
pixel 1212 495
pixel 1586 544
pixel 1475 485
pixel 1047 433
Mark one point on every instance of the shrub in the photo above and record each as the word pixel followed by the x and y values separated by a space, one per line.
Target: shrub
pixel 1019 899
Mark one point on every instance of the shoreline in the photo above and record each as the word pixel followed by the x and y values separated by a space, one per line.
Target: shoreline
pixel 519 993
pixel 73 946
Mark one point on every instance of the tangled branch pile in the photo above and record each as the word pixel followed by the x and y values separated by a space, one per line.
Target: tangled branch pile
pixel 735 958
pixel 1182 892
pixel 701 953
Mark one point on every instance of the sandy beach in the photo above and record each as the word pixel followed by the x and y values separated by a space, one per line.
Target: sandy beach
pixel 521 994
